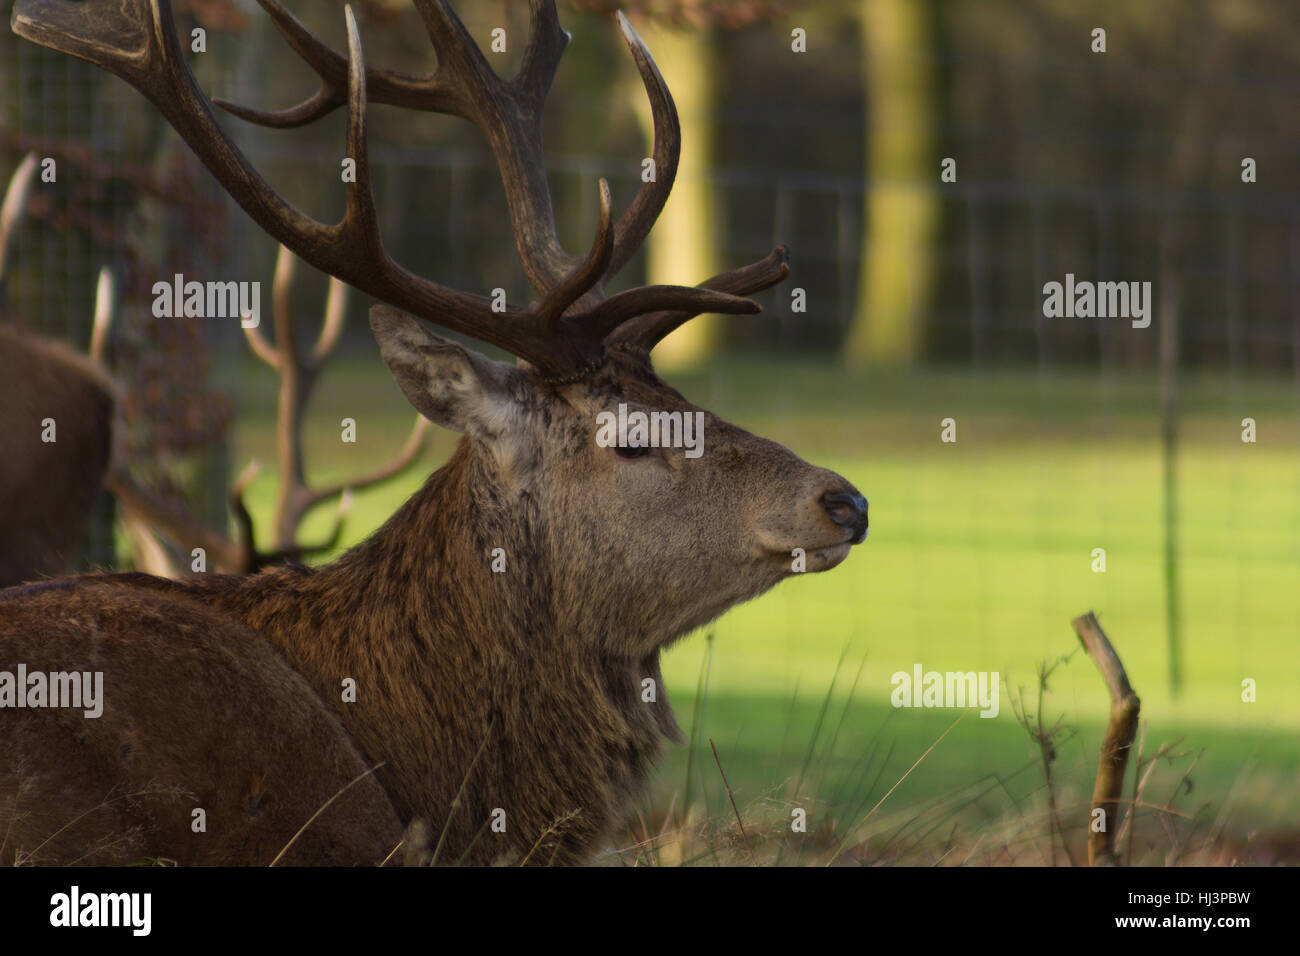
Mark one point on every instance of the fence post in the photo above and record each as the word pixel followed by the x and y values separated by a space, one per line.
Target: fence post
pixel 1169 308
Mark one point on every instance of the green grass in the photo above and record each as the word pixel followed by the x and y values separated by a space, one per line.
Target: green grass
pixel 980 555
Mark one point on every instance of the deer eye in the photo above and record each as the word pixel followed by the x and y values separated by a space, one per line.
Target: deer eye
pixel 632 451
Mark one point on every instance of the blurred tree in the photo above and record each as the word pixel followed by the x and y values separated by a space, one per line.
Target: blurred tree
pixel 682 248
pixel 900 206
pixel 696 14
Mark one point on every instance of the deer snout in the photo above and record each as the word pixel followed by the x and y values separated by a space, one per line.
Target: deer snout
pixel 848 509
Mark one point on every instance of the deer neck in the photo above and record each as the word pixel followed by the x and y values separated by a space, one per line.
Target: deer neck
pixel 445 653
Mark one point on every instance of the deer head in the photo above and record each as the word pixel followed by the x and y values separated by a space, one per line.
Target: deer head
pixel 642 543
pixel 731 518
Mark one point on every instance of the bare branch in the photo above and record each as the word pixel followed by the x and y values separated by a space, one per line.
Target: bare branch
pixel 1115 748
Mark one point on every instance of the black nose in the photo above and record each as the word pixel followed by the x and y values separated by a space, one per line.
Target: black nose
pixel 848 511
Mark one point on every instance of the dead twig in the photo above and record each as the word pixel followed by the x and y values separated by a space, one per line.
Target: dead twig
pixel 730 796
pixel 1116 745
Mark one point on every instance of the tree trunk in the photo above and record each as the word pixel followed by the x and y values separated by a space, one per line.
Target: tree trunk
pixel 682 247
pixel 900 206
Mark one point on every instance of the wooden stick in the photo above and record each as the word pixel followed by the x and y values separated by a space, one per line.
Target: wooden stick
pixel 1118 742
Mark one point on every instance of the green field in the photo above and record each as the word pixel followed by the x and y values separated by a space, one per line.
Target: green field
pixel 980 555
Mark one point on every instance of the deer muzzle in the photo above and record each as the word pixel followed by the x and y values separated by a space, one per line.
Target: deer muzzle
pixel 848 510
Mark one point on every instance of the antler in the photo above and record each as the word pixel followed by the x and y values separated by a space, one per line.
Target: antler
pixel 298 371
pixel 566 331
pixel 147 511
pixel 12 210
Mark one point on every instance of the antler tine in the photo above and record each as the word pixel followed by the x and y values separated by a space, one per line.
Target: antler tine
pixel 645 331
pixel 256 560
pixel 300 551
pixel 245 542
pixel 520 332
pixel 681 302
pixel 284 349
pixel 174 522
pixel 260 346
pixel 137 40
pixel 336 306
pixel 634 225
pixel 360 217
pixel 547 41
pixel 457 51
pixel 13 207
pixel 323 101
pixel 139 44
pixel 465 85
pixel 405 457
pixel 391 87
pixel 586 274
pixel 102 323
pixel 605 318
pixel 512 122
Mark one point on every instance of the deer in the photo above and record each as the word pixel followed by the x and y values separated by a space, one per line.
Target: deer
pixel 50 483
pixel 468 684
pixel 57 410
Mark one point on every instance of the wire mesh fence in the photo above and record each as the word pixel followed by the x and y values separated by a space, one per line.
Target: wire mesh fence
pixel 130 197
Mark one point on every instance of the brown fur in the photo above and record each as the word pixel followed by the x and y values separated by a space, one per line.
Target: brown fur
pixel 225 690
pixel 47 489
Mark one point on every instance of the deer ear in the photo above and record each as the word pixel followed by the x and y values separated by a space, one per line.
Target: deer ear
pixel 448 384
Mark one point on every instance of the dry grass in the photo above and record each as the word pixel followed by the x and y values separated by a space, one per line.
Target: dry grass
pixel 979 823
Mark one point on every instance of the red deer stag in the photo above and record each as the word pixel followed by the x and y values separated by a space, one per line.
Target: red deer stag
pixel 498 710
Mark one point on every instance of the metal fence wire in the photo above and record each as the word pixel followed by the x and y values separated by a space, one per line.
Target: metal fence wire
pixel 131 198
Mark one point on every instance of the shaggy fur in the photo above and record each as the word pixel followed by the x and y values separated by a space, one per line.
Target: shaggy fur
pixel 520 691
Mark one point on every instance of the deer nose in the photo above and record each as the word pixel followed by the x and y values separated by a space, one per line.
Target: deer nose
pixel 847 510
